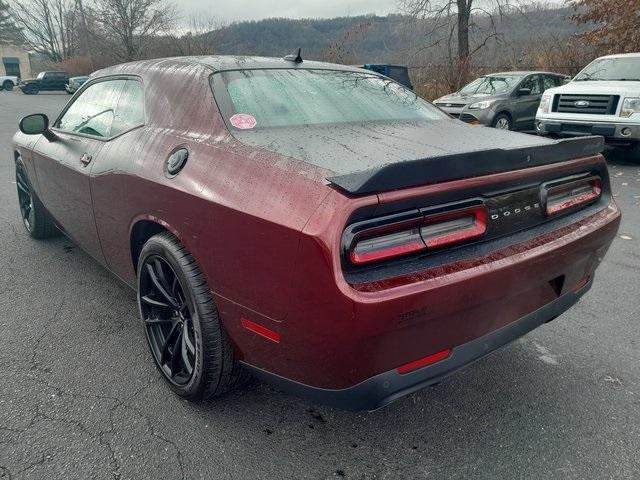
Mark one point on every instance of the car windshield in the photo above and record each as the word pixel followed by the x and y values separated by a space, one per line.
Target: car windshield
pixel 286 98
pixel 40 75
pixel 621 68
pixel 492 84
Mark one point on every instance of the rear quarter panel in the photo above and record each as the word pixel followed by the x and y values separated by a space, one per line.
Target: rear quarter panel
pixel 238 210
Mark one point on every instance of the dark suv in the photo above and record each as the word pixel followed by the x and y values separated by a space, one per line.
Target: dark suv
pixel 45 81
pixel 507 100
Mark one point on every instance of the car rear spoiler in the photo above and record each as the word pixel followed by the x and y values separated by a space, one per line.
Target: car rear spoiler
pixel 464 165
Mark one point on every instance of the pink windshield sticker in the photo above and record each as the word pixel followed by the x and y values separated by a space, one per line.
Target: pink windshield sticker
pixel 243 121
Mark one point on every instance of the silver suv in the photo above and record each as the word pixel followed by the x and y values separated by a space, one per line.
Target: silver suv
pixel 507 100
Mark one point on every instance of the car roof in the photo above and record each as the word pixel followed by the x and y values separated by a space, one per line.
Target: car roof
pixel 221 63
pixel 622 55
pixel 524 72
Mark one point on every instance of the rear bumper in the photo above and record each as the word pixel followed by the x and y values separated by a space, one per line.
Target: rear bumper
pixel 386 387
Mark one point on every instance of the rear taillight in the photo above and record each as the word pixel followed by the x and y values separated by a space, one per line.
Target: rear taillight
pixel 418 234
pixel 564 195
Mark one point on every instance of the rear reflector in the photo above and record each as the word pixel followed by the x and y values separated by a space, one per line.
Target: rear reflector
pixel 581 284
pixel 423 362
pixel 260 330
pixel 423 233
pixel 560 197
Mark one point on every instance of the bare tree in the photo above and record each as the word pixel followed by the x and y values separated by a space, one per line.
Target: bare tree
pixel 200 38
pixel 450 20
pixel 48 26
pixel 10 33
pixel 130 24
pixel 341 50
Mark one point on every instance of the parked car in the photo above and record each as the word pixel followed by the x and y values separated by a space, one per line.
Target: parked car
pixel 7 82
pixel 507 100
pixel 75 83
pixel 326 230
pixel 603 99
pixel 45 81
pixel 399 73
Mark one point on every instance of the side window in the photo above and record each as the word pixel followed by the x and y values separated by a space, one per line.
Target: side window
pixel 550 81
pixel 93 112
pixel 130 110
pixel 532 83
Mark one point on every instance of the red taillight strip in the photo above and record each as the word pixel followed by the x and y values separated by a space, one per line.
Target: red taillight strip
pixel 579 200
pixel 417 235
pixel 395 251
pixel 423 362
pixel 260 330
pixel 478 229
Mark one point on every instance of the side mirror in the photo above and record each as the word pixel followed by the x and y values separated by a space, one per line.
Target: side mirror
pixel 37 124
pixel 524 91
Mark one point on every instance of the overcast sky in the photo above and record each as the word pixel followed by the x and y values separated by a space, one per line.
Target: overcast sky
pixel 231 10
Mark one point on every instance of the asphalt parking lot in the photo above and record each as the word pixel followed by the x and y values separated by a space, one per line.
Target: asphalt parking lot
pixel 81 399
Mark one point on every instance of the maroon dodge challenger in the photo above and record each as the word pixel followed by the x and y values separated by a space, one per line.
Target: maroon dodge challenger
pixel 318 226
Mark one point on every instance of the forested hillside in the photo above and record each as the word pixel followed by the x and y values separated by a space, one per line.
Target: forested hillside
pixel 394 38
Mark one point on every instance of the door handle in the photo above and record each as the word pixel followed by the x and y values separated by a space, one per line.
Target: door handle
pixel 85 159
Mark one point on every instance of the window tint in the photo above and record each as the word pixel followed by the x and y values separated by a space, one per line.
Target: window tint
pixel 94 111
pixel 130 109
pixel 533 84
pixel 550 81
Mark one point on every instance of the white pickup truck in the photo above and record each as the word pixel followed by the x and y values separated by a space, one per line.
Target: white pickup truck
pixel 603 99
pixel 8 82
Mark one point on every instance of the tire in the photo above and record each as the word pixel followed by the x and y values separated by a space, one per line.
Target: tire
pixel 184 317
pixel 634 152
pixel 502 121
pixel 35 218
pixel 7 85
pixel 30 91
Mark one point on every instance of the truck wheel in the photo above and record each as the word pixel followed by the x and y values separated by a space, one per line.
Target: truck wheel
pixel 7 85
pixel 30 91
pixel 502 122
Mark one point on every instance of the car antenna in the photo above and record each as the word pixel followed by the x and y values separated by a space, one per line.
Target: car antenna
pixel 295 57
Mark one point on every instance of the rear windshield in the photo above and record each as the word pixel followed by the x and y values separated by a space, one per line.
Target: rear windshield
pixel 622 68
pixel 254 99
pixel 491 85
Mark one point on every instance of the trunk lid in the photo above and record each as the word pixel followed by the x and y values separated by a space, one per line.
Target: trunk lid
pixel 378 157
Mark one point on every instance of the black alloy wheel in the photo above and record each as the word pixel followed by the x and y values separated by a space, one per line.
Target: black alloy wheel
pixel 25 198
pixel 34 216
pixel 168 316
pixel 184 331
